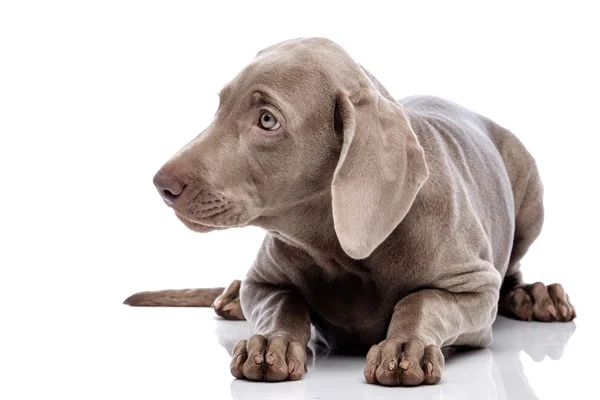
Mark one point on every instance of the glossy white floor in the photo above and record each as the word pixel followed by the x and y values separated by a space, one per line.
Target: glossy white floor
pixel 118 352
pixel 184 354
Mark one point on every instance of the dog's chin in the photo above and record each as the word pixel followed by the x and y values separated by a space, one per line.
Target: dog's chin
pixel 196 226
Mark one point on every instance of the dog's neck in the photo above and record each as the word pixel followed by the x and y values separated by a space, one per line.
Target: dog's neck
pixel 296 226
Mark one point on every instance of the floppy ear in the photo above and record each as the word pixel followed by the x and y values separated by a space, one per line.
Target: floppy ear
pixel 380 170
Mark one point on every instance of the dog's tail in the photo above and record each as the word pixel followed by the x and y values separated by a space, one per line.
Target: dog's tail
pixel 225 301
pixel 175 298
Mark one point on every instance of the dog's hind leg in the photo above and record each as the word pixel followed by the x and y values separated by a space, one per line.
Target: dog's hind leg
pixel 227 304
pixel 530 301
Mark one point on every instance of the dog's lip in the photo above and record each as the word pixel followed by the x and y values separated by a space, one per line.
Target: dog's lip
pixel 200 224
pixel 168 203
pixel 180 215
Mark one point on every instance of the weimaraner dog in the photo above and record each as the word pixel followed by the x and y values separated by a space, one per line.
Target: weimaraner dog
pixel 395 228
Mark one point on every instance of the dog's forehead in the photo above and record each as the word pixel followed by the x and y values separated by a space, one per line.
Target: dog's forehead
pixel 317 55
pixel 304 47
pixel 296 65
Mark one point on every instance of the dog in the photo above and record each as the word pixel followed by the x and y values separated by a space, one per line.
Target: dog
pixel 395 228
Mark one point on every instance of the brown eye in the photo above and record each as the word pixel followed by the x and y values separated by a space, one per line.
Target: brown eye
pixel 268 121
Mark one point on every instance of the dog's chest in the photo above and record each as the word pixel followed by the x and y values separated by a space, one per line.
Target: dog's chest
pixel 346 309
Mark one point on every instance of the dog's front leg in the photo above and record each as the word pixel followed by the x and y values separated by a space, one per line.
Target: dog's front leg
pixel 423 322
pixel 280 321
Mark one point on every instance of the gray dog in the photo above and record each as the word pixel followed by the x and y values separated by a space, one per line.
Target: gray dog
pixel 395 228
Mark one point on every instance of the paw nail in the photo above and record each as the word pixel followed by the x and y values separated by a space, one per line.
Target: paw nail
pixel 552 310
pixel 404 364
pixel 392 365
pixel 428 368
pixel 270 359
pixel 291 366
pixel 238 360
pixel 258 359
pixel 564 311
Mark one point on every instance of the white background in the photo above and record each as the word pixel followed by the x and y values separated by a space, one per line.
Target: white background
pixel 95 96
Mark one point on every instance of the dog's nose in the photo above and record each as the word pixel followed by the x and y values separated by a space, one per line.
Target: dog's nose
pixel 168 187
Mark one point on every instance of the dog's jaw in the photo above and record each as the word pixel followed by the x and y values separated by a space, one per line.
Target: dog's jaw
pixel 196 226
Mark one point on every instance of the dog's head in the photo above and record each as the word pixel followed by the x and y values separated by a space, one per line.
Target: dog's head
pixel 302 120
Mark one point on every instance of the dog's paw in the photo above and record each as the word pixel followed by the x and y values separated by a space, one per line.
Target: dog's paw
pixel 404 363
pixel 270 358
pixel 227 304
pixel 540 302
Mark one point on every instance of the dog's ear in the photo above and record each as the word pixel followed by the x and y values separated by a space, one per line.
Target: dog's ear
pixel 380 170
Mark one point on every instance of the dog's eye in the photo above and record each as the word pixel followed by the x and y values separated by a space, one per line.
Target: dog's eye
pixel 268 121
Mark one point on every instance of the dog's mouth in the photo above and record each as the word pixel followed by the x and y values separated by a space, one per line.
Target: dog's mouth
pixel 209 211
pixel 197 226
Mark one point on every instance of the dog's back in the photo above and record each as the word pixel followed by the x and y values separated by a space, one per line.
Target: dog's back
pixel 462 130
